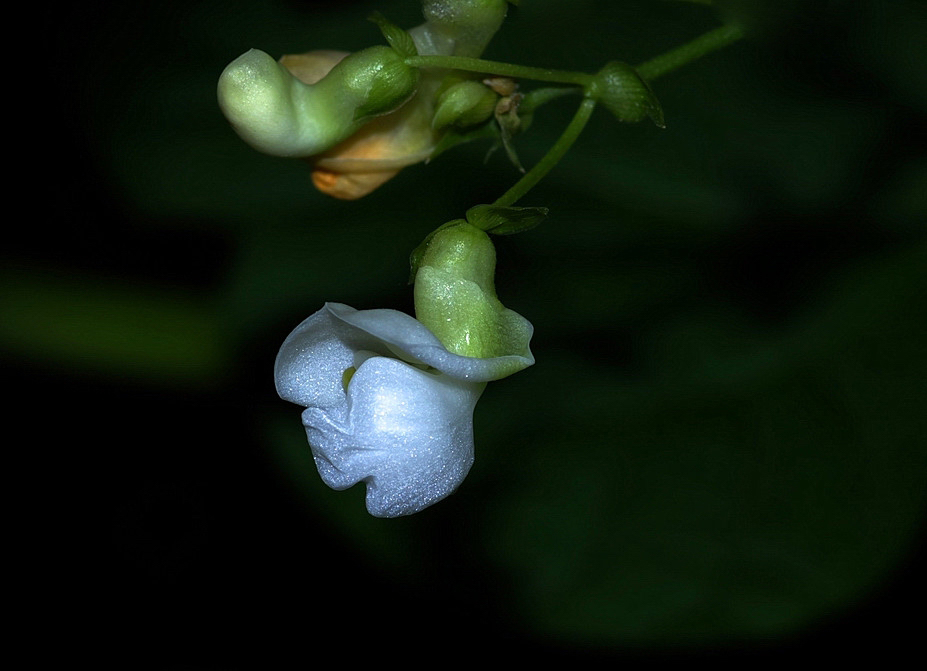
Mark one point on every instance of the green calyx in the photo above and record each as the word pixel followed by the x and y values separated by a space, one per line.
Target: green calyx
pixel 455 295
pixel 625 94
pixel 377 78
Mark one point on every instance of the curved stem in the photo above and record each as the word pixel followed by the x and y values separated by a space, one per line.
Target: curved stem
pixel 552 157
pixel 690 51
pixel 497 68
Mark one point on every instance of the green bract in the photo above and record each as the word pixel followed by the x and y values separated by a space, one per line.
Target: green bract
pixel 455 296
pixel 278 114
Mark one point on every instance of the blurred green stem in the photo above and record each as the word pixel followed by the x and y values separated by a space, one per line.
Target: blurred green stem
pixel 690 51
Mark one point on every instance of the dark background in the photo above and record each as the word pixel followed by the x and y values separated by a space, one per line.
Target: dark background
pixel 719 453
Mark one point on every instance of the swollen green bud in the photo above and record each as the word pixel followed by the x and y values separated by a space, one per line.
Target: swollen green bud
pixel 455 295
pixel 622 91
pixel 464 104
pixel 276 113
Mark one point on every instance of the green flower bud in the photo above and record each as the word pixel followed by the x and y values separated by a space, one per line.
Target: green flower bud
pixel 458 27
pixel 622 91
pixel 276 113
pixel 455 296
pixel 464 104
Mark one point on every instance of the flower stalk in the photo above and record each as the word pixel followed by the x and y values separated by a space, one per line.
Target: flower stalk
pixel 690 51
pixel 482 66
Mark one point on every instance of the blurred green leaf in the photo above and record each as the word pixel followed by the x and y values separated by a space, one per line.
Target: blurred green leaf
pixel 98 325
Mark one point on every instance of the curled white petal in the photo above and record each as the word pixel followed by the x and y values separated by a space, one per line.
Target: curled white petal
pixel 411 340
pixel 403 421
pixel 408 434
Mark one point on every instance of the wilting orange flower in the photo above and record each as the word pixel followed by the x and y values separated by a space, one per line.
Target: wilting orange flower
pixel 379 150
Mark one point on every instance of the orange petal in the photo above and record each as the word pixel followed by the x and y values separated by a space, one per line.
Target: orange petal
pixel 349 185
pixel 377 152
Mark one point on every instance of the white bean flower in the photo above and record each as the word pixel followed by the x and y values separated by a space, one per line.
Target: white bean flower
pixel 386 403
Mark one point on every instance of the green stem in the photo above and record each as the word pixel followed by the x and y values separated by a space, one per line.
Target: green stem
pixel 497 68
pixel 552 157
pixel 690 51
pixel 655 67
pixel 537 97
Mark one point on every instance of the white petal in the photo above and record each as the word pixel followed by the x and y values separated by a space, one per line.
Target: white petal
pixel 311 362
pixel 408 436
